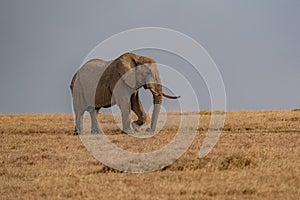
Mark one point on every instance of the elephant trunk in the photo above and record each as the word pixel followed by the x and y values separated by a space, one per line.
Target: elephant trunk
pixel 157 100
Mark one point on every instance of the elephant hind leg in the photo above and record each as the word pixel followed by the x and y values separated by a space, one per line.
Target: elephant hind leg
pixel 137 108
pixel 78 124
pixel 95 125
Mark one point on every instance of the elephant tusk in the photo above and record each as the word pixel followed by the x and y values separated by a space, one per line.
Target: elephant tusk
pixel 169 96
pixel 154 92
pixel 163 94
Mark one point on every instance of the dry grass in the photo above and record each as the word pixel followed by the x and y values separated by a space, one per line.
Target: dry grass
pixel 257 156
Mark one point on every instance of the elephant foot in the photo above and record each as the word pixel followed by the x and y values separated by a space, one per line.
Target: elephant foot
pixel 136 127
pixel 76 131
pixel 150 130
pixel 128 131
pixel 96 131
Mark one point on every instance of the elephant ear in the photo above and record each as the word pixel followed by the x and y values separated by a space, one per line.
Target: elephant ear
pixel 126 66
pixel 144 60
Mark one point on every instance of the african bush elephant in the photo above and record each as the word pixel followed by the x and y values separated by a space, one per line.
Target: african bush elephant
pixel 100 83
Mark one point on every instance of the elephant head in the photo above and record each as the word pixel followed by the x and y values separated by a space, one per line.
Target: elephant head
pixel 139 71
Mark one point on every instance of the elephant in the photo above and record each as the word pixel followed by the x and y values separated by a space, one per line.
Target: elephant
pixel 102 84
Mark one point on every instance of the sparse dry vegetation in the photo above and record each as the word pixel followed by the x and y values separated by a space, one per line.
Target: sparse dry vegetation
pixel 256 157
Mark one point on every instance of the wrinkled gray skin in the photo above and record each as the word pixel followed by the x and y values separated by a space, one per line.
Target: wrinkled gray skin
pixel 100 83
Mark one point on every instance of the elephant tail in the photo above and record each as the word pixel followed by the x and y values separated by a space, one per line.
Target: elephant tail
pixel 73 82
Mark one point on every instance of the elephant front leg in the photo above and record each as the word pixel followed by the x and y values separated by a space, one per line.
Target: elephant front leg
pixel 138 109
pixel 124 106
pixel 126 121
pixel 122 95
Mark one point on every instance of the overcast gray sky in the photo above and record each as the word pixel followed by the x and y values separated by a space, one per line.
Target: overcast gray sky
pixel 255 44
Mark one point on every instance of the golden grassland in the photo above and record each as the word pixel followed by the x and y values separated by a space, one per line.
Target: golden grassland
pixel 256 157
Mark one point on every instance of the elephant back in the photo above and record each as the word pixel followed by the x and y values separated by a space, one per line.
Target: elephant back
pixel 86 81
